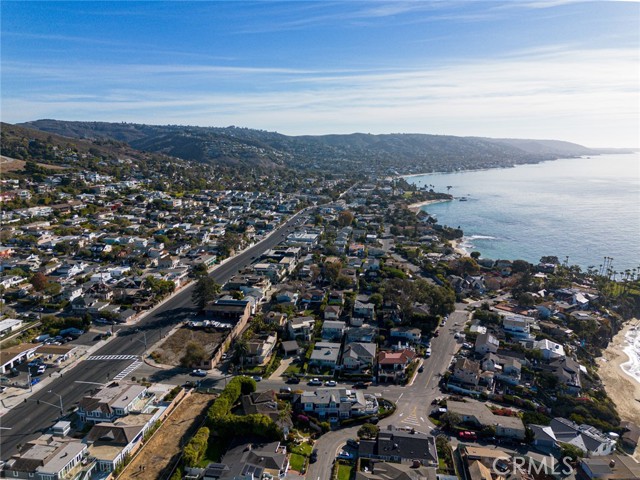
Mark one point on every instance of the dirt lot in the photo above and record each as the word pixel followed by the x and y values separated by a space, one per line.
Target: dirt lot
pixel 8 164
pixel 172 350
pixel 160 453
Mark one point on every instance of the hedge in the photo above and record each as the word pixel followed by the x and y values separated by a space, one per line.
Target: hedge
pixel 196 448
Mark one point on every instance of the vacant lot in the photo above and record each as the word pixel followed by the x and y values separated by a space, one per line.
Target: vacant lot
pixel 160 453
pixel 8 164
pixel 172 350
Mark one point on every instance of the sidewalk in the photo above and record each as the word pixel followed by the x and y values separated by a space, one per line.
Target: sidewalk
pixel 7 402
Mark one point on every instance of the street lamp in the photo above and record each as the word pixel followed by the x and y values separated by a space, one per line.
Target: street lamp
pixel 60 398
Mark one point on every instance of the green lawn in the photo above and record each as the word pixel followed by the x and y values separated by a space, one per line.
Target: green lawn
pixel 344 471
pixel 293 369
pixel 301 449
pixel 297 462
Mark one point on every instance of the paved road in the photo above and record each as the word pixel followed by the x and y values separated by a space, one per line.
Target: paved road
pixel 413 402
pixel 28 420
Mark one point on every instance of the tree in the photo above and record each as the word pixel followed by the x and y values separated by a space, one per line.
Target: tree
pixel 205 291
pixel 240 351
pixel 368 430
pixel 475 255
pixel 345 218
pixel 450 420
pixel 200 270
pixel 194 355
pixel 39 281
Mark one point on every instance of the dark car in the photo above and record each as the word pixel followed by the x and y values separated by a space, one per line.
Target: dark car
pixel 314 456
pixel 421 369
pixel 361 385
pixel 293 380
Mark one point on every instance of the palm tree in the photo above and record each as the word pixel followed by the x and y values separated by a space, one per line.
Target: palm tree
pixel 240 351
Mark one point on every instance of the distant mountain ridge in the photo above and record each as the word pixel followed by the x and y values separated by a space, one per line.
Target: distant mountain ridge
pixel 357 152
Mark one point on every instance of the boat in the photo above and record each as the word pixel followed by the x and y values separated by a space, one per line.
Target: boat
pixel 463 199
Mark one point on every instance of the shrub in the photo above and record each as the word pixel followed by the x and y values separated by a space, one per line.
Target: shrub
pixel 196 448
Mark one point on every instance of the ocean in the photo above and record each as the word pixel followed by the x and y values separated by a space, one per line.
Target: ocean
pixel 581 208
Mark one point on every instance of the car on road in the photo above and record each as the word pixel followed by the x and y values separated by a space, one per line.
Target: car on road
pixel 313 458
pixel 285 389
pixel 199 373
pixel 314 382
pixel 436 333
pixel 361 384
pixel 456 335
pixel 330 383
pixel 293 380
pixel 421 369
pixel 353 443
pixel 257 378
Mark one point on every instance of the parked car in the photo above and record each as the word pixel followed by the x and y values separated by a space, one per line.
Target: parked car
pixel 361 384
pixel 293 380
pixel 314 382
pixel 330 383
pixel 199 373
pixel 314 456
pixel 285 389
pixel 427 352
pixel 466 435
pixel 352 443
pixel 257 378
pixel 41 369
pixel 421 369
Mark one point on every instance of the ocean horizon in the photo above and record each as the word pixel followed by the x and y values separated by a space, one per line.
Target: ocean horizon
pixel 578 209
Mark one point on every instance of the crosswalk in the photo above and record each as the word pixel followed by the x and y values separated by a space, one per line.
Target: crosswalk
pixel 112 357
pixel 128 370
pixel 412 419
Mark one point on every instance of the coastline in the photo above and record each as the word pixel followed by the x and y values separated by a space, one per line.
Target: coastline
pixel 621 387
pixel 415 207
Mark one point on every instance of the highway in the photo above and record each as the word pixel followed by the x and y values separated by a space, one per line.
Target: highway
pixel 27 420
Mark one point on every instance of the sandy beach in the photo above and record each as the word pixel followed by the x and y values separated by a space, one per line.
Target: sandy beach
pixel 622 388
pixel 455 244
pixel 415 207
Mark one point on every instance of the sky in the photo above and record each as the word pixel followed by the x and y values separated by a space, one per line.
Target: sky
pixel 544 69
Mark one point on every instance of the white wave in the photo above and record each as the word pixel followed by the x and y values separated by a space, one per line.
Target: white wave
pixel 480 237
pixel 632 350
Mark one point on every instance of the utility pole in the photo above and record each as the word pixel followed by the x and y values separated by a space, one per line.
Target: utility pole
pixel 60 398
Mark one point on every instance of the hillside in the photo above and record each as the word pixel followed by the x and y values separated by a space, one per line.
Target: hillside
pixel 374 154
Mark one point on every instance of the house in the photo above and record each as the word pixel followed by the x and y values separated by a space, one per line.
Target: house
pixel 392 365
pixel 477 414
pixel 266 403
pixel 47 458
pixel 9 325
pixel 290 348
pixel 400 446
pixel 230 310
pixel 333 329
pixel 364 310
pixel 567 371
pixel 332 312
pixel 550 350
pixel 467 371
pixel 301 327
pixel 587 438
pixel 110 444
pixel 325 354
pixel 382 470
pixel 362 334
pixel 113 401
pixel 610 467
pixel 260 349
pixel 486 343
pixel 411 334
pixel 358 356
pixel 518 326
pixel 255 460
pixel 336 403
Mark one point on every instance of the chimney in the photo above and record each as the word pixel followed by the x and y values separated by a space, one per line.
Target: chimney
pixel 612 464
pixel 415 464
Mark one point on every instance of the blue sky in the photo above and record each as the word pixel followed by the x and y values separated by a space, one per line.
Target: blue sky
pixel 528 69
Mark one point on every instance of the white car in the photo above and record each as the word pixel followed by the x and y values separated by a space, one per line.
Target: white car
pixel 330 383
